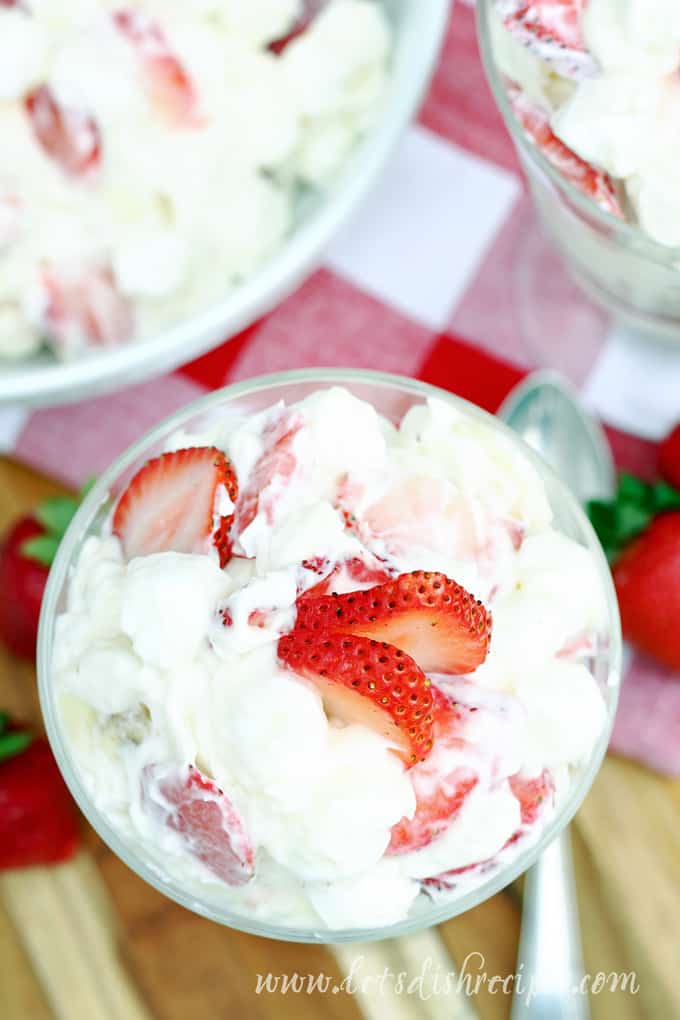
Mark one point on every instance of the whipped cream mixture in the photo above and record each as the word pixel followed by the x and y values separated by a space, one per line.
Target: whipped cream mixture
pixel 620 112
pixel 152 154
pixel 166 668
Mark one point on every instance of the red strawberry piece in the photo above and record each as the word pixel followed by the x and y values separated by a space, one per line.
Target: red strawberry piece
pixel 669 457
pixel 70 137
pixel 647 581
pixel 354 574
pixel 552 30
pixel 276 466
pixel 367 682
pixel 86 309
pixel 533 794
pixel 212 828
pixel 594 183
pixel 168 84
pixel 22 583
pixel 38 821
pixel 439 797
pixel 310 8
pixel 172 503
pixel 429 616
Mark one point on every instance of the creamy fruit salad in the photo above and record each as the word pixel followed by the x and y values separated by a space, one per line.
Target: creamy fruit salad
pixel 322 668
pixel 596 87
pixel 153 153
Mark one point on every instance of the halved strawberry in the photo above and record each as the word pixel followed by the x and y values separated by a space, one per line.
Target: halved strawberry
pixel 435 620
pixel 367 682
pixel 197 808
pixel 70 137
pixel 553 31
pixel 594 183
pixel 168 84
pixel 354 574
pixel 86 309
pixel 532 794
pixel 439 797
pixel 276 465
pixel 172 503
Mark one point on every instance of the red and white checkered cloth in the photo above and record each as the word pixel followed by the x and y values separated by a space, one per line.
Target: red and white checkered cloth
pixel 443 275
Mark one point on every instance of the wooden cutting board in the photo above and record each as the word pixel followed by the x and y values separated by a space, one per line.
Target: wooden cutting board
pixel 89 940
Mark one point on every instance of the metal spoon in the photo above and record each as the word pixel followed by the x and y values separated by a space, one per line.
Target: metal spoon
pixel 545 411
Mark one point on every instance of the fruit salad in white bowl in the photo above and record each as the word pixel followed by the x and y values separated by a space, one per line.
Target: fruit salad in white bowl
pixel 323 668
pixel 169 171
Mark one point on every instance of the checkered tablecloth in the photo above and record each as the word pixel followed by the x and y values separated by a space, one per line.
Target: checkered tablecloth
pixel 444 275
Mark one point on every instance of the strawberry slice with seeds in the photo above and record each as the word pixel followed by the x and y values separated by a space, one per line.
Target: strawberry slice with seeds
pixel 273 470
pixel 594 183
pixel 429 616
pixel 367 682
pixel 86 309
pixel 70 137
pixel 439 797
pixel 190 803
pixel 172 503
pixel 553 31
pixel 168 85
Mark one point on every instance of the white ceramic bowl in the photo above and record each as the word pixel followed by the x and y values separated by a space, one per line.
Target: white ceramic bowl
pixel 418 32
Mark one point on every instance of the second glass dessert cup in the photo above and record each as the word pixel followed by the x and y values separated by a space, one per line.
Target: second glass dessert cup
pixel 392 396
pixel 617 265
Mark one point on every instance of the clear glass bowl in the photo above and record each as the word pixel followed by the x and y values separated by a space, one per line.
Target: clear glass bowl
pixel 616 264
pixel 418 30
pixel 392 396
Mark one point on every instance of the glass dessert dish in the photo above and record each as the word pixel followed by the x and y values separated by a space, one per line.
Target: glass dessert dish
pixel 392 397
pixel 636 279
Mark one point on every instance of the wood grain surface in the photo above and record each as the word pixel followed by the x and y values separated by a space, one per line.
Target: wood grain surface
pixel 89 940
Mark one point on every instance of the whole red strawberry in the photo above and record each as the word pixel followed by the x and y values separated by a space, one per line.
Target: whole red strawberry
pixel 38 821
pixel 25 557
pixel 647 580
pixel 22 583
pixel 669 457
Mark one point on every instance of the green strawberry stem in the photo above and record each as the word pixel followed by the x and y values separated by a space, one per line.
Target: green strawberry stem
pixel 55 515
pixel 634 507
pixel 13 743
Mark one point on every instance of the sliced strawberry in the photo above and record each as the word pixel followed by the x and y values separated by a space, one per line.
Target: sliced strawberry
pixel 434 620
pixel 310 9
pixel 553 31
pixel 172 503
pixel 439 797
pixel 367 682
pixel 532 794
pixel 354 574
pixel 197 808
pixel 86 309
pixel 168 84
pixel 592 182
pixel 70 137
pixel 275 467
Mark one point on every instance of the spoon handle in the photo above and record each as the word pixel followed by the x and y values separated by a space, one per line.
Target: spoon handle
pixel 549 957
